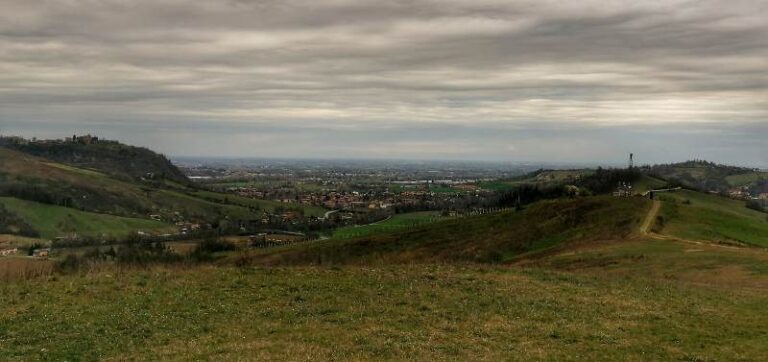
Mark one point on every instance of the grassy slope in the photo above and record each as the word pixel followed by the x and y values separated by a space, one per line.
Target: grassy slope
pixel 267 205
pixel 630 300
pixel 52 221
pixel 396 222
pixel 745 179
pixel 712 218
pixel 646 183
pixel 422 312
pixel 497 237
pixel 103 194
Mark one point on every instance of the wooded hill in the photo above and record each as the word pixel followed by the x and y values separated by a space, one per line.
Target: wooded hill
pixel 120 161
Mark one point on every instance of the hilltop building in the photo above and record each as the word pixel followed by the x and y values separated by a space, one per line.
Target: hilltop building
pixel 85 140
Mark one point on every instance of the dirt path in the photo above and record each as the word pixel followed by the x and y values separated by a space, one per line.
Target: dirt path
pixel 650 218
pixel 645 229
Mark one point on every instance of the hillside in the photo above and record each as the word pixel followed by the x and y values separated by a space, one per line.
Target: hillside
pixel 124 162
pixel 706 176
pixel 489 238
pixel 698 216
pixel 50 221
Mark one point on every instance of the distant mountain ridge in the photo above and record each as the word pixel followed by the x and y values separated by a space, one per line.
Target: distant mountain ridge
pixel 120 161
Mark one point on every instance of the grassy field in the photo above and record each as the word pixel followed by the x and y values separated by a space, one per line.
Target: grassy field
pixel 745 178
pixel 96 192
pixel 700 264
pixel 698 216
pixel 497 237
pixel 267 205
pixel 15 268
pixel 646 183
pixel 578 282
pixel 53 221
pixel 423 312
pixel 396 222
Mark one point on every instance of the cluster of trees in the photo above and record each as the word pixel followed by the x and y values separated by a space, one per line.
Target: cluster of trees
pixel 144 253
pixel 115 159
pixel 10 223
pixel 698 174
pixel 529 193
pixel 607 180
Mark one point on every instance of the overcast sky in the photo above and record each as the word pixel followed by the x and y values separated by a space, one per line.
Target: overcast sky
pixel 581 81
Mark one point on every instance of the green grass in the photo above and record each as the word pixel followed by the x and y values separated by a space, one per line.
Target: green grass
pixel 646 183
pixel 701 264
pixel 266 205
pixel 75 169
pixel 499 185
pixel 495 237
pixel 698 216
pixel 53 221
pixel 95 192
pixel 396 222
pixel 745 179
pixel 417 312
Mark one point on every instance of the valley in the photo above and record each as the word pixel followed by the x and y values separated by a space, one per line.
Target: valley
pixel 545 265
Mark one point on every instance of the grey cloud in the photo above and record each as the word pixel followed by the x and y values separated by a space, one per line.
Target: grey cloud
pixel 338 74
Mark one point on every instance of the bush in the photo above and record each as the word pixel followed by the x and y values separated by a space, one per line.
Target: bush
pixel 205 250
pixel 755 205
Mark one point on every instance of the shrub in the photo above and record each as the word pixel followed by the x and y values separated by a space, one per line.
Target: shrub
pixel 205 250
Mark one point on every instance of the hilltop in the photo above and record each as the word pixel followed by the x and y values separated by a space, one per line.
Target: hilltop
pixel 120 161
pixel 708 176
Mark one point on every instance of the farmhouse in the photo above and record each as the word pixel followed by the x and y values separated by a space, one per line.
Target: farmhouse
pixel 41 253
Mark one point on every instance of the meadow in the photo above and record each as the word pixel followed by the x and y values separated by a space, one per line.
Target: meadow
pixel 266 205
pixel 745 179
pixel 698 216
pixel 54 221
pixel 424 312
pixel 395 222
pixel 568 279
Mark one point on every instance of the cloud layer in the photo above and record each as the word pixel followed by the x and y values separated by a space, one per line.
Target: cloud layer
pixel 518 80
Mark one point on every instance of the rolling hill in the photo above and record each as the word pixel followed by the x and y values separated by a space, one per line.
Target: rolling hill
pixel 119 161
pixel 706 176
pixel 102 202
pixel 698 216
pixel 32 178
pixel 51 221
pixel 494 238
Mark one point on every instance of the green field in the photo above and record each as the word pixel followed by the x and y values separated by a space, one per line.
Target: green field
pixel 746 178
pixel 646 183
pixel 96 192
pixel 497 237
pixel 396 222
pixel 577 281
pixel 53 221
pixel 698 216
pixel 499 185
pixel 422 312
pixel 266 205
